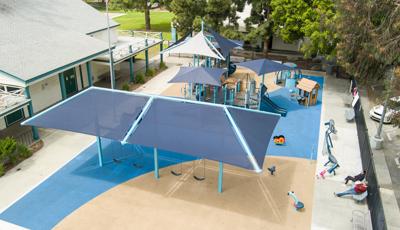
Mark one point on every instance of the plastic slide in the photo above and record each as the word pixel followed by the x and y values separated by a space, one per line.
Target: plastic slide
pixel 232 68
pixel 269 106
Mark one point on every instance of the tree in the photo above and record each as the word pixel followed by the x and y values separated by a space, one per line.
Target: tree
pixel 312 21
pixel 141 5
pixel 260 17
pixel 369 34
pixel 320 31
pixel 185 12
pixel 216 12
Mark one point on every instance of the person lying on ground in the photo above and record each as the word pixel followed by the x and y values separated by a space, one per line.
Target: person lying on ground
pixel 357 189
pixel 358 177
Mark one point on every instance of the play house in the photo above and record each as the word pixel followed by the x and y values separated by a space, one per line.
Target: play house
pixel 308 91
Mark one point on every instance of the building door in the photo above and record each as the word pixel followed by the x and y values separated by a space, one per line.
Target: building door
pixel 71 85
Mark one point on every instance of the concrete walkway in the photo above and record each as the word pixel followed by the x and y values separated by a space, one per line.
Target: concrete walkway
pixel 329 211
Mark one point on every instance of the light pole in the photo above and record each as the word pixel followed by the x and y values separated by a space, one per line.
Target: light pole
pixel 111 58
pixel 377 138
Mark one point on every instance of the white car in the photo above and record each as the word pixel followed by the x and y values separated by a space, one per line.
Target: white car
pixel 376 112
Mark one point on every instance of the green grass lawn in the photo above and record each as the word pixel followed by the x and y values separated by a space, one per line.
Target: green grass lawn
pixel 134 20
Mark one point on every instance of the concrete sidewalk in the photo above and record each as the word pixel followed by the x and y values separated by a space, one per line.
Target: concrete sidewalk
pixel 329 211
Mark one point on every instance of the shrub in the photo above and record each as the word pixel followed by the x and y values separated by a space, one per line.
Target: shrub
pixel 149 73
pixel 2 169
pixel 126 87
pixel 11 153
pixel 162 66
pixel 139 79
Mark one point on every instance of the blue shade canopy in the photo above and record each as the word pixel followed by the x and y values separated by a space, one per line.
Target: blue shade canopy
pixel 96 112
pixel 263 66
pixel 224 44
pixel 205 131
pixel 199 75
pixel 217 132
pixel 256 129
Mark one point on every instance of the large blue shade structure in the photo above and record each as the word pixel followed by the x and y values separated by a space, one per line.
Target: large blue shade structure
pixel 217 132
pixel 101 113
pixel 263 66
pixel 199 75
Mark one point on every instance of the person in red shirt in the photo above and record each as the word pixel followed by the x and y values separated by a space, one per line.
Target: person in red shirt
pixel 357 189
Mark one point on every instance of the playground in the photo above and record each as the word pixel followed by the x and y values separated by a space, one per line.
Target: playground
pixel 117 182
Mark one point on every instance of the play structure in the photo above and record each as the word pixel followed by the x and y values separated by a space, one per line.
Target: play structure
pixel 279 140
pixel 289 77
pixel 308 91
pixel 272 169
pixel 296 202
pixel 332 161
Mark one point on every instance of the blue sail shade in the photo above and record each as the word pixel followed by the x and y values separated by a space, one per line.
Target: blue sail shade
pixel 205 131
pixel 263 66
pixel 223 43
pixel 217 132
pixel 199 75
pixel 95 112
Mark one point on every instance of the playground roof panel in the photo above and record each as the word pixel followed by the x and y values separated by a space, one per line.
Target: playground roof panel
pixel 224 44
pixel 95 112
pixel 199 75
pixel 263 66
pixel 217 132
pixel 307 85
pixel 196 45
pixel 257 129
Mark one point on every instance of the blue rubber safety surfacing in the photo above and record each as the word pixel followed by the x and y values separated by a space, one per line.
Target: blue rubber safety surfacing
pixel 81 180
pixel 300 127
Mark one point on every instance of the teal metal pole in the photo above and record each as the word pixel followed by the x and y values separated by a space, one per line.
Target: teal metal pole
pixel 260 97
pixel 81 76
pixel 156 174
pixel 173 33
pixel 35 131
pixel 62 86
pixel 112 73
pixel 100 151
pixel 146 54
pixel 220 176
pixel 89 73
pixel 131 67
pixel 215 94
pixel 263 78
pixel 224 91
pixel 161 47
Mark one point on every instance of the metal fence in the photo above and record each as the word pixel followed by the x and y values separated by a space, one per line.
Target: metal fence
pixel 374 198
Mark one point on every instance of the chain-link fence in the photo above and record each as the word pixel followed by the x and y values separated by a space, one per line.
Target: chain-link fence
pixel 374 198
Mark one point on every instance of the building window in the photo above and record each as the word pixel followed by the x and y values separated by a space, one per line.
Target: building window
pixel 14 117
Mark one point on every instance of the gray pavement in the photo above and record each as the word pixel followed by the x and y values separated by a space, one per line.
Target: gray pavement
pixel 330 212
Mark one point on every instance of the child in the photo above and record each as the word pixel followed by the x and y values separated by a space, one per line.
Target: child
pixel 358 177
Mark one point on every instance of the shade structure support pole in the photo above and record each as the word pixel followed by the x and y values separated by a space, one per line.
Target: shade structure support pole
pixel 224 92
pixel 35 131
pixel 220 176
pixel 62 85
pixel 161 47
pixel 215 94
pixel 156 173
pixel 228 60
pixel 263 76
pixel 89 73
pixel 146 54
pixel 112 70
pixel 260 97
pixel 100 151
pixel 131 67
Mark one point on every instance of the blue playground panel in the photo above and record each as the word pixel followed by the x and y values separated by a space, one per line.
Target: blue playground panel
pixel 80 181
pixel 300 127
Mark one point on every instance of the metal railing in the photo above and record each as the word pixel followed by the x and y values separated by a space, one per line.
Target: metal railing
pixel 374 198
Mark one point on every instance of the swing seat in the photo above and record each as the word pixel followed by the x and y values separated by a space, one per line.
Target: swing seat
pixel 299 205
pixel 176 173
